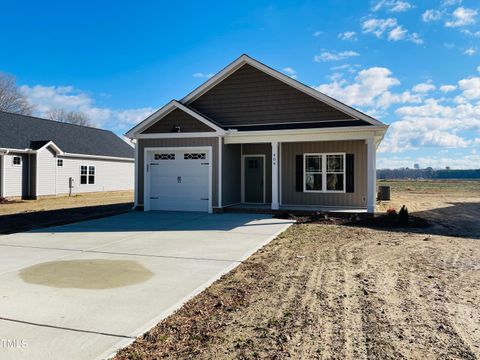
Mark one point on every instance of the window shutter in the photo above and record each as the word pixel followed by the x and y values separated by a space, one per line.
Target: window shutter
pixel 350 173
pixel 299 173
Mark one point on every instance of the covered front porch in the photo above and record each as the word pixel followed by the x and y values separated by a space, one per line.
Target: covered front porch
pixel 328 171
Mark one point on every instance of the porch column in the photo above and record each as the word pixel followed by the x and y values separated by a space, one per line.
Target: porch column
pixel 275 205
pixel 371 175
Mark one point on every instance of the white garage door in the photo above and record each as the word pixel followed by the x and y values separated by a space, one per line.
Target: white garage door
pixel 179 180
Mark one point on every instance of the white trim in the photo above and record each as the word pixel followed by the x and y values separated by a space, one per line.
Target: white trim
pixel 220 148
pixel 371 175
pixel 146 176
pixel 88 174
pixel 135 177
pixel 275 202
pixel 323 172
pixel 303 135
pixel 53 145
pixel 101 157
pixel 13 161
pixel 165 110
pixel 242 171
pixel 176 135
pixel 280 174
pixel 245 59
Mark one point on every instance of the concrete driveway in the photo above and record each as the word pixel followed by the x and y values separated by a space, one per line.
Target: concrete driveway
pixel 83 290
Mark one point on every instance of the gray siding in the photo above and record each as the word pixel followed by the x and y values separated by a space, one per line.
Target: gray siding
pixel 262 149
pixel 231 177
pixel 291 197
pixel 178 142
pixel 249 96
pixel 175 118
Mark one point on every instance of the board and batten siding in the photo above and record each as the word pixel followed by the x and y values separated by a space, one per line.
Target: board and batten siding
pixel 288 157
pixel 231 174
pixel 177 142
pixel 15 178
pixel 111 175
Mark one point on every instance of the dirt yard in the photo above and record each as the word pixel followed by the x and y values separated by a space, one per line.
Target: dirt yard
pixel 343 292
pixel 23 215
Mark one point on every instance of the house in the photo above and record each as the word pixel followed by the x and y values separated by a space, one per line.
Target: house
pixel 40 157
pixel 252 135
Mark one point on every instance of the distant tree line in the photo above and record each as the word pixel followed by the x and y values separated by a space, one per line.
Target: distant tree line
pixel 428 173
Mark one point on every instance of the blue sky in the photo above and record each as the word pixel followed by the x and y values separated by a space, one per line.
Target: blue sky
pixel 412 64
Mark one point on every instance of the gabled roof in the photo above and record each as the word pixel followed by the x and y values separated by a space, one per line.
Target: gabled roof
pixel 27 132
pixel 245 59
pixel 172 105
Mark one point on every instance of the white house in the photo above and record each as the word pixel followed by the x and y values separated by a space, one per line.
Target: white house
pixel 40 157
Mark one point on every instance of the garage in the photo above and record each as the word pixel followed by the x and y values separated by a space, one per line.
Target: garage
pixel 178 179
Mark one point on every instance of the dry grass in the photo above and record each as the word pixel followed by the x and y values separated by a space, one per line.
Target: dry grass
pixel 65 202
pixel 339 292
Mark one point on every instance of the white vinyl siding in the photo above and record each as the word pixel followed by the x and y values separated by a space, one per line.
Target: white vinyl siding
pixel 109 175
pixel 15 177
pixel 46 172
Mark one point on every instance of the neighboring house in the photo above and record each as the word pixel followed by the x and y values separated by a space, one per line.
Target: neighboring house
pixel 253 135
pixel 40 157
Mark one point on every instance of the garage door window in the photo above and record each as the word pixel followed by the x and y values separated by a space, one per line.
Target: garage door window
pixel 164 156
pixel 194 156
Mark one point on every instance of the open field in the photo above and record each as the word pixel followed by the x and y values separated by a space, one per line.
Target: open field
pixel 344 292
pixel 23 215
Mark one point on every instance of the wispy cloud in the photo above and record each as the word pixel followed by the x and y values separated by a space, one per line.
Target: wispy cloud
pixel 335 56
pixel 432 15
pixel 390 27
pixel 448 88
pixel 290 72
pixel 348 35
pixel 394 6
pixel 424 87
pixel 317 33
pixel 470 51
pixel 462 17
pixel 201 75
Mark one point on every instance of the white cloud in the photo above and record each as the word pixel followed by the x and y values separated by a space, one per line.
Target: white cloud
pixel 45 98
pixel 392 5
pixel 475 34
pixel 478 68
pixel 317 33
pixel 201 75
pixel 470 88
pixel 370 89
pixel 390 26
pixel 446 3
pixel 348 35
pixel 335 56
pixel 431 15
pixel 470 51
pixel 290 72
pixel 462 17
pixel 424 87
pixel 447 88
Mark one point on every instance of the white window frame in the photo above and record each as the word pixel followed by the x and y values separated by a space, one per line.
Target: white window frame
pixel 324 173
pixel 88 174
pixel 13 160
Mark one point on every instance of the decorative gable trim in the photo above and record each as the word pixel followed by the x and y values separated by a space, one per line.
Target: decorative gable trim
pixel 172 105
pixel 245 59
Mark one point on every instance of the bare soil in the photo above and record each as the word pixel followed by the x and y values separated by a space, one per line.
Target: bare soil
pixel 24 215
pixel 341 292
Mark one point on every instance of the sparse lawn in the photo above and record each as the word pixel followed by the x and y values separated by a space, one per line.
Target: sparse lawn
pixel 66 202
pixel 24 215
pixel 341 292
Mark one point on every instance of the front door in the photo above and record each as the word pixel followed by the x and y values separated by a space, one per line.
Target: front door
pixel 254 182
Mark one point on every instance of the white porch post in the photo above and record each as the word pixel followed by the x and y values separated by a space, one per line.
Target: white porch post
pixel 275 205
pixel 371 175
pixel 2 175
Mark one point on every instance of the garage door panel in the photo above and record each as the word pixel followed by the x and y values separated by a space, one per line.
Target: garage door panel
pixel 179 180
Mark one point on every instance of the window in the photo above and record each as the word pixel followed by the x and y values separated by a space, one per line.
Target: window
pixel 17 160
pixel 324 173
pixel 87 175
pixel 59 162
pixel 194 156
pixel 164 156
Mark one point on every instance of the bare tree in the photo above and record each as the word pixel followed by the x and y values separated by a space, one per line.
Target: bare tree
pixel 11 99
pixel 72 117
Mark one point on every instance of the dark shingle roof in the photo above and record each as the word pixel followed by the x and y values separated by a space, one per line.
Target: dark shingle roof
pixel 27 132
